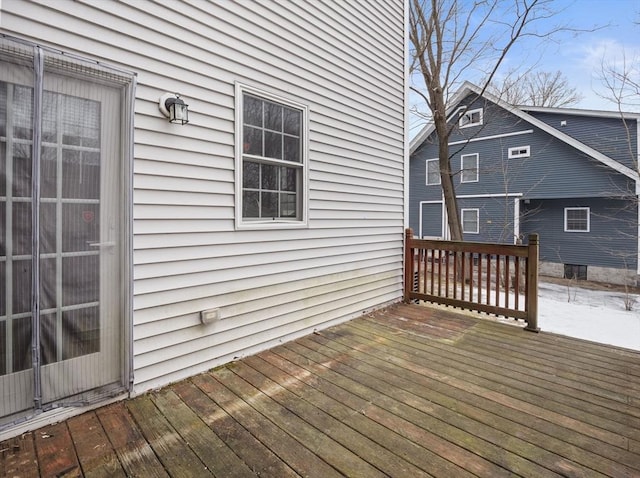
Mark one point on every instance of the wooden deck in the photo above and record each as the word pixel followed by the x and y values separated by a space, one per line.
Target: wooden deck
pixel 404 392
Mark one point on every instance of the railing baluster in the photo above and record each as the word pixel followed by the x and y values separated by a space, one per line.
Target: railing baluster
pixel 516 284
pixel 506 281
pixel 488 279
pixel 440 272
pixel 455 274
pixel 433 266
pixel 446 277
pixel 497 280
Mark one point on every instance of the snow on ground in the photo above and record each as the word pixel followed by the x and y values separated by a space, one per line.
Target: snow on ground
pixel 597 315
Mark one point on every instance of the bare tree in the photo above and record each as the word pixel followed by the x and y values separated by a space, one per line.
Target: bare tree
pixel 449 39
pixel 536 88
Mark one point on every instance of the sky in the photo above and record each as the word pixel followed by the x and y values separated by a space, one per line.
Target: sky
pixel 611 33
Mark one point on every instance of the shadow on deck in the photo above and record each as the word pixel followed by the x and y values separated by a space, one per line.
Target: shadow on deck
pixel 407 391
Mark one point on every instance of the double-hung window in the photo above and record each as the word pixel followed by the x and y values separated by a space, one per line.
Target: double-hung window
pixel 469 168
pixel 470 221
pixel 271 160
pixel 433 172
pixel 576 219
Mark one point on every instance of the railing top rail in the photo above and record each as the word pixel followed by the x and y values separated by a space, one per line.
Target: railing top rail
pixel 476 247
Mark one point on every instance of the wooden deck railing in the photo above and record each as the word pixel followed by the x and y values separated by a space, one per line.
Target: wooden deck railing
pixel 499 279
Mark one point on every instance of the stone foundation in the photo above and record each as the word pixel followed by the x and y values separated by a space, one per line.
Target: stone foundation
pixel 606 275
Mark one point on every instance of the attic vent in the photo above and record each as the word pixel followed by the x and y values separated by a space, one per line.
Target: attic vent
pixel 563 123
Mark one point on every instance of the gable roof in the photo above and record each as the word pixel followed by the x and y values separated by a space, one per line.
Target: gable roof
pixel 521 112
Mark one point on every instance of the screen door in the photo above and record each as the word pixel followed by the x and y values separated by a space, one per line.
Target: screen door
pixel 62 338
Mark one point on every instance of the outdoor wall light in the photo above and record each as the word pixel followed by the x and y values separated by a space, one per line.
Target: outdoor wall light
pixel 174 108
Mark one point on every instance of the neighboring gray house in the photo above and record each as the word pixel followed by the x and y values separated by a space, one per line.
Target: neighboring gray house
pixel 135 252
pixel 570 175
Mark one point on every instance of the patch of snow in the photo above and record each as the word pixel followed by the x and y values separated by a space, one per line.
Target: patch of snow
pixel 596 315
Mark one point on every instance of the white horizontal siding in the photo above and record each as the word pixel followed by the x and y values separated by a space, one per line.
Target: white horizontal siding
pixel 344 60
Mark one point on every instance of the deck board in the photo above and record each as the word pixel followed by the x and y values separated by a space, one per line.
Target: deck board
pixel 407 391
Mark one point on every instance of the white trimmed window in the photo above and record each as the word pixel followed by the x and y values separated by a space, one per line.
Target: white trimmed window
pixel 577 219
pixel 469 168
pixel 519 152
pixel 433 171
pixel 271 159
pixel 470 221
pixel 471 118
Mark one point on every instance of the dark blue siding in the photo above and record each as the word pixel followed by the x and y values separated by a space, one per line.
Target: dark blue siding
pixel 610 136
pixel 495 219
pixel 611 242
pixel 431 220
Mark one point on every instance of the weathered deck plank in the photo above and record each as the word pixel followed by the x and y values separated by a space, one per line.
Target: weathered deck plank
pixel 95 453
pixel 403 392
pixel 133 451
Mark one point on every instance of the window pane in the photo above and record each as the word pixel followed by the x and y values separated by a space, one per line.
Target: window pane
pixel 272 116
pixel 273 145
pixel 48 339
pixel 80 122
pixel 269 206
pixel 48 173
pixel 47 227
pixel 3 169
pixel 22 227
pixel 80 174
pixel 3 236
pixel 81 332
pixel 250 175
pixel 48 288
pixel 21 344
pixel 269 177
pixel 80 227
pixel 50 117
pixel 252 141
pixel 22 170
pixel 3 291
pixel 577 219
pixel 21 286
pixel 3 108
pixel 292 149
pixel 80 279
pixel 292 121
pixel 252 111
pixel 288 179
pixel 288 204
pixel 22 112
pixel 250 204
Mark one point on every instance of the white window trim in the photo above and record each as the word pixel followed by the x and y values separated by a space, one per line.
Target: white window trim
pixel 477 212
pixel 566 209
pixel 427 172
pixel 477 168
pixel 240 223
pixel 469 114
pixel 520 152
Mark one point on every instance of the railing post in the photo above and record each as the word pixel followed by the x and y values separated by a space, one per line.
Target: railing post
pixel 408 264
pixel 532 283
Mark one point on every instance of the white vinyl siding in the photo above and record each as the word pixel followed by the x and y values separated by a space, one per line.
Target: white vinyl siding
pixel 519 152
pixel 469 168
pixel 433 172
pixel 470 221
pixel 577 219
pixel 345 63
